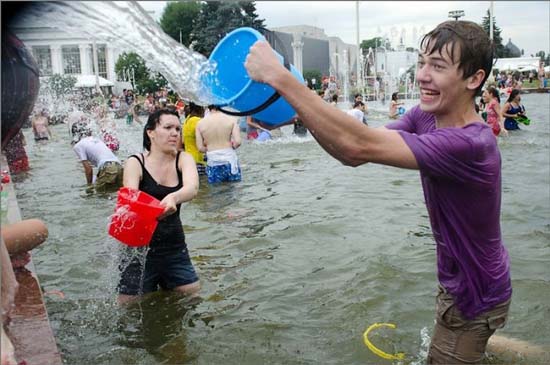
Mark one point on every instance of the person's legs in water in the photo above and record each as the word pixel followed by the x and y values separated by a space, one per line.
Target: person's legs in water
pixel 456 340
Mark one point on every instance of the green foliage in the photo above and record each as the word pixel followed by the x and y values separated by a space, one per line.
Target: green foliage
pixel 217 18
pixel 371 43
pixel 313 74
pixel 60 85
pixel 179 17
pixel 500 50
pixel 144 80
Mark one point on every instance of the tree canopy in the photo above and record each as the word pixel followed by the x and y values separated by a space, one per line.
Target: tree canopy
pixel 217 18
pixel 500 50
pixel 131 65
pixel 178 18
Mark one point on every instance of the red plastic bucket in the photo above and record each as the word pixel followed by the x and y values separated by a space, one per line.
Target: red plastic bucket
pixel 135 217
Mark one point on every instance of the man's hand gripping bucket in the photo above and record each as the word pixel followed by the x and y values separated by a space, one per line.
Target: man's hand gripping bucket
pixel 230 81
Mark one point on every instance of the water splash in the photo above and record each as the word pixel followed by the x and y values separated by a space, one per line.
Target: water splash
pixel 125 25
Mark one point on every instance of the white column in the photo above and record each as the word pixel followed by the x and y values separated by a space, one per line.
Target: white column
pixel 297 48
pixel 110 64
pixel 85 66
pixel 57 63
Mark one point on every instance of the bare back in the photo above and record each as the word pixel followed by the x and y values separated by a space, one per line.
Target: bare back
pixel 218 131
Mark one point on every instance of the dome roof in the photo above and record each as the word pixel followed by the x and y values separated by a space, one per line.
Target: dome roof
pixel 514 50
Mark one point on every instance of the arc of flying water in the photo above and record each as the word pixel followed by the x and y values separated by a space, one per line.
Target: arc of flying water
pixel 126 25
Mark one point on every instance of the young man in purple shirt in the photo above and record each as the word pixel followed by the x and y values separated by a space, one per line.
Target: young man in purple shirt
pixel 460 169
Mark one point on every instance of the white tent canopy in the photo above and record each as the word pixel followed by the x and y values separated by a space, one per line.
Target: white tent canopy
pixel 518 63
pixel 90 81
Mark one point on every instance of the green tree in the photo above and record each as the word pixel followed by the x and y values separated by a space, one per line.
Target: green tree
pixel 500 50
pixel 178 18
pixel 313 74
pixel 371 43
pixel 60 85
pixel 217 18
pixel 132 66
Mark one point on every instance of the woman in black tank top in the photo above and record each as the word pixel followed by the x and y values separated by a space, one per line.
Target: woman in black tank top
pixel 171 177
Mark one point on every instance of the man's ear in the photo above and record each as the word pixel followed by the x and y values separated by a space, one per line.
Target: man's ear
pixel 475 80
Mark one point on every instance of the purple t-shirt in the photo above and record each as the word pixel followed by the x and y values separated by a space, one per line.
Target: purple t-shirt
pixel 460 169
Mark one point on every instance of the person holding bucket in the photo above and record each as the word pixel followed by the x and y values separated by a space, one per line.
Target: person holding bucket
pixel 171 177
pixel 460 169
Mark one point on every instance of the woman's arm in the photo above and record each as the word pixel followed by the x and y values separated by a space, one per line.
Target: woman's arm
pixel 500 119
pixel 235 136
pixel 190 187
pixel 132 173
pixel 201 146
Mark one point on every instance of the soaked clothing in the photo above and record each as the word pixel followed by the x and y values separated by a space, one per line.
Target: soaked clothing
pixel 460 170
pixel 190 142
pixel 223 165
pixel 510 123
pixel 109 176
pixel 16 155
pixel 167 262
pixel 459 341
pixel 492 117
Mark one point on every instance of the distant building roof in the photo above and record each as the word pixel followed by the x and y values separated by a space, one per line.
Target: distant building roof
pixel 513 49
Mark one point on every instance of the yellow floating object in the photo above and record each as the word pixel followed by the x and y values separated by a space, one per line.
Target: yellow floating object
pixel 376 350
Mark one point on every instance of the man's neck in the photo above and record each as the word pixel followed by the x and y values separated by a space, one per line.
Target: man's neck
pixel 462 113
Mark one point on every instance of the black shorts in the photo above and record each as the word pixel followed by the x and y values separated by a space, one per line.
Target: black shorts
pixel 167 269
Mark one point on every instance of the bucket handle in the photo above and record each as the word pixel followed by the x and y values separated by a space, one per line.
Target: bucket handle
pixel 273 98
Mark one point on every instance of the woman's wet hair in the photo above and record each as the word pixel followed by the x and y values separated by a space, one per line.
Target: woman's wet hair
pixel 493 91
pixel 394 96
pixel 513 95
pixel 467 39
pixel 152 122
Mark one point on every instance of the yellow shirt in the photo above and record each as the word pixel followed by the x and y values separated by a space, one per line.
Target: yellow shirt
pixel 189 139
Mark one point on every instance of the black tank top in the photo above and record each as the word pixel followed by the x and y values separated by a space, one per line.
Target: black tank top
pixel 169 232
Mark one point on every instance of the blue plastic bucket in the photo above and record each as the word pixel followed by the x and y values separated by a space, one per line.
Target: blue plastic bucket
pixel 231 85
pixel 401 110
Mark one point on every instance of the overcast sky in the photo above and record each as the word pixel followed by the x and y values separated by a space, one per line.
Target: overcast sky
pixel 527 23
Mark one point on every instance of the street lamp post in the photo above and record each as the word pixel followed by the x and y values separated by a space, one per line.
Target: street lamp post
pixel 456 14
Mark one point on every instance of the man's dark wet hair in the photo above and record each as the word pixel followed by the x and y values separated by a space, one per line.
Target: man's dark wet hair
pixel 152 122
pixel 195 110
pixel 394 96
pixel 358 103
pixel 335 97
pixel 469 39
pixel 80 130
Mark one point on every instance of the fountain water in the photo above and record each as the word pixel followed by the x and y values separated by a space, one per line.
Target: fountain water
pixel 127 26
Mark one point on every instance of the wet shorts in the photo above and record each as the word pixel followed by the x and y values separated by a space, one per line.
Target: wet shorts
pixel 222 173
pixel 109 176
pixel 456 340
pixel 166 269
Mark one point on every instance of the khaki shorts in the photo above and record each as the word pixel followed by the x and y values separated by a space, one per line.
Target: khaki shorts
pixel 109 176
pixel 457 340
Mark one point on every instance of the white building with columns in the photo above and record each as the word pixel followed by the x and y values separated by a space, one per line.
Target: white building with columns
pixel 58 52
